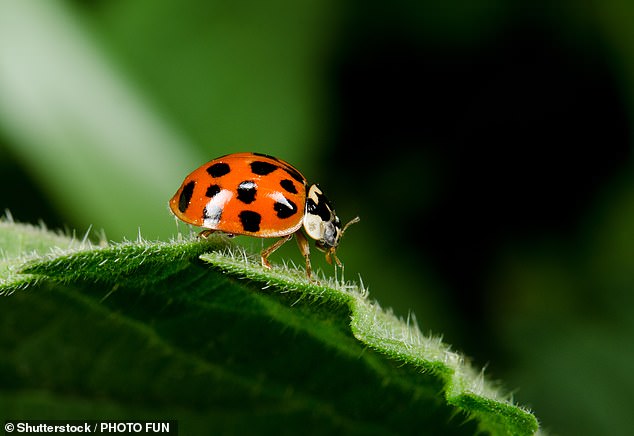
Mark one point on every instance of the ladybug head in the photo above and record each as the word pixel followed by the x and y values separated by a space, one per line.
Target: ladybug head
pixel 322 223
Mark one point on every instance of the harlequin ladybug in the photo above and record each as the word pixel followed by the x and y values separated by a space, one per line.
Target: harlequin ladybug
pixel 259 195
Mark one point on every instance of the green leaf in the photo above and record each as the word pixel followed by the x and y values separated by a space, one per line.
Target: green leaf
pixel 20 242
pixel 198 331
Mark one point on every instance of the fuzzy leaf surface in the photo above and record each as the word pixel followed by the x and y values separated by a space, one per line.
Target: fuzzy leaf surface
pixel 199 332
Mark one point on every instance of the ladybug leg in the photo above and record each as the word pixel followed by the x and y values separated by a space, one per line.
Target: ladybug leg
pixel 205 233
pixel 208 232
pixel 267 252
pixel 304 248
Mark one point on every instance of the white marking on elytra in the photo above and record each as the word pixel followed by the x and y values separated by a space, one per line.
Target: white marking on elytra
pixel 278 197
pixel 214 208
pixel 248 184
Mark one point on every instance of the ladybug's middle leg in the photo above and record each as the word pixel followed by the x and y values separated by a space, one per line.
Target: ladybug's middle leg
pixel 268 251
pixel 304 247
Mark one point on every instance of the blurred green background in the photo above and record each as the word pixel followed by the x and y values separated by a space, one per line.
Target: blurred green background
pixel 486 145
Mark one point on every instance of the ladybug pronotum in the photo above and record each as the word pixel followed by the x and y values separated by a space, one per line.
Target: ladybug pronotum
pixel 259 195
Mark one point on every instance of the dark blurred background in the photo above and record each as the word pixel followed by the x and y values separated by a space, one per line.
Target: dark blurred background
pixel 486 146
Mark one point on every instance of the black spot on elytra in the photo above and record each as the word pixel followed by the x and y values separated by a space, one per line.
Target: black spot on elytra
pixel 212 191
pixel 289 186
pixel 186 196
pixel 262 168
pixel 285 210
pixel 250 220
pixel 247 191
pixel 219 169
pixel 321 209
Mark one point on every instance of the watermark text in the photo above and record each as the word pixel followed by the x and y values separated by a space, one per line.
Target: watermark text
pixel 159 427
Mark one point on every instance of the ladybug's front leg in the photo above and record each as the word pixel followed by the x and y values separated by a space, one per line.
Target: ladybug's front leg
pixel 267 252
pixel 304 248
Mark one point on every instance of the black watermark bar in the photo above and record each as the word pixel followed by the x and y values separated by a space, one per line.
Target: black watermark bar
pixel 122 427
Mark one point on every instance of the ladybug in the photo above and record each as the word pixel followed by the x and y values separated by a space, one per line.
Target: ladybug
pixel 259 195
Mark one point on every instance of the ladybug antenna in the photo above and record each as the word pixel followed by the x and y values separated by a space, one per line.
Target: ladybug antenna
pixel 349 223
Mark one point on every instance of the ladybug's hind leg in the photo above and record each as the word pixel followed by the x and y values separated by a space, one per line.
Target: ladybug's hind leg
pixel 268 251
pixel 206 233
